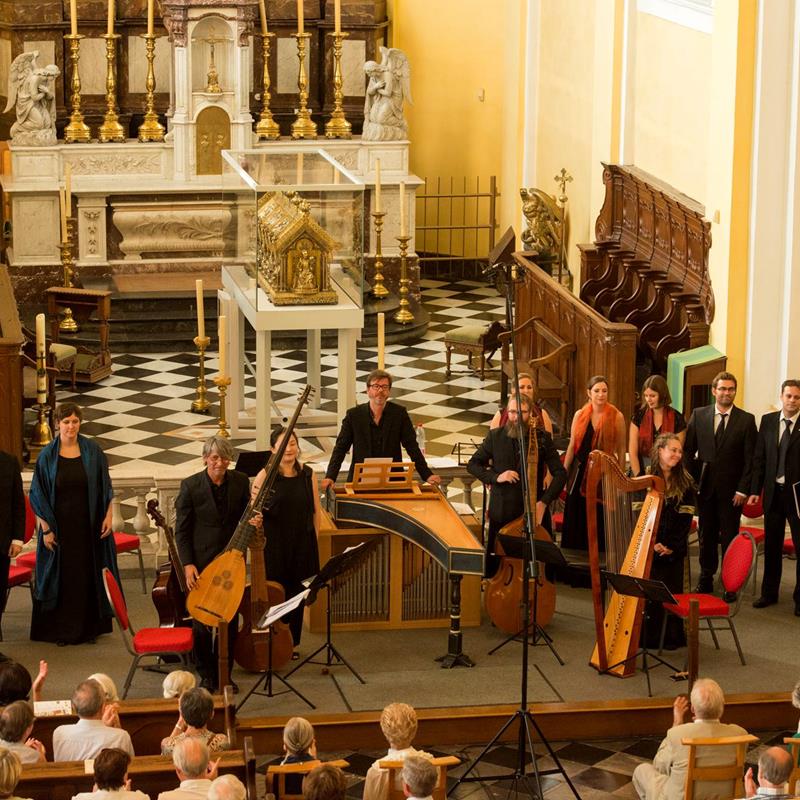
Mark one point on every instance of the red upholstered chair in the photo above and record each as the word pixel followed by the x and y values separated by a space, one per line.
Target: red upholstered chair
pixel 754 511
pixel 737 564
pixel 151 643
pixel 130 543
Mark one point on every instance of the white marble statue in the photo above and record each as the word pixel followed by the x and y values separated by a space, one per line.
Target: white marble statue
pixel 389 85
pixel 32 89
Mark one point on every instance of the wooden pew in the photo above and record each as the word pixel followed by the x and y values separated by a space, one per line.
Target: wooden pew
pixel 149 774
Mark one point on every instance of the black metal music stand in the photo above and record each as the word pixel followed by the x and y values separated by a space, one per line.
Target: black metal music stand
pixel 336 566
pixel 647 590
pixel 546 553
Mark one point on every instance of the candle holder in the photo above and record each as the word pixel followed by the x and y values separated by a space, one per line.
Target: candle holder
pixel 303 127
pixel 42 434
pixel 378 289
pixel 337 126
pixel 68 323
pixel 111 130
pixel 200 404
pixel 151 130
pixel 267 128
pixel 222 383
pixel 77 130
pixel 403 315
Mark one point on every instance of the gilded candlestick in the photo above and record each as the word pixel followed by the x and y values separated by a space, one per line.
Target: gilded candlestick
pixel 111 130
pixel 68 323
pixel 77 130
pixel 267 128
pixel 404 315
pixel 72 239
pixel 42 435
pixel 200 404
pixel 337 126
pixel 222 385
pixel 151 130
pixel 303 127
pixel 378 289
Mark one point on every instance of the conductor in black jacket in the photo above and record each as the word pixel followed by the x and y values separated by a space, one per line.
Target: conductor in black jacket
pixel 497 461
pixel 12 504
pixel 720 444
pixel 208 509
pixel 376 430
pixel 776 470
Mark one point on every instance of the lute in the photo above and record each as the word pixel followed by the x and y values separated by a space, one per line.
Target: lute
pixel 218 592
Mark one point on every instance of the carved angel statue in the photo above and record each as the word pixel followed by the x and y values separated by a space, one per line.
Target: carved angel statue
pixel 543 216
pixel 32 89
pixel 389 85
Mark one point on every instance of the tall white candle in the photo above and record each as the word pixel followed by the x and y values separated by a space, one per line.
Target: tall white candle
pixel 62 207
pixel 111 17
pixel 377 184
pixel 337 17
pixel 403 209
pixel 68 188
pixel 73 17
pixel 41 378
pixel 201 317
pixel 222 332
pixel 300 21
pixel 381 339
pixel 151 11
pixel 299 170
pixel 262 10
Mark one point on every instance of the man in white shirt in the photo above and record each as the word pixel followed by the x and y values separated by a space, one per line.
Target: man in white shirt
pixel 190 758
pixel 94 729
pixel 774 768
pixel 419 778
pixel 665 778
pixel 227 787
pixel 111 781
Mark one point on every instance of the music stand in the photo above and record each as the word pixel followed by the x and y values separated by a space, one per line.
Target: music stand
pixel 252 462
pixel 337 565
pixel 547 553
pixel 644 589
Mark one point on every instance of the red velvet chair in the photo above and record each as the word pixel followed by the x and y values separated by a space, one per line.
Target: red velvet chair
pixel 130 543
pixel 152 643
pixel 737 564
pixel 754 511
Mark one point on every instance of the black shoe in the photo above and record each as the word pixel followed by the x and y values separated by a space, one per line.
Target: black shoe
pixel 704 587
pixel 729 597
pixel 763 602
pixel 797 609
pixel 208 683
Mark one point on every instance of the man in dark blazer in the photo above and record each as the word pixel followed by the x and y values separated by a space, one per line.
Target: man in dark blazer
pixel 12 503
pixel 776 470
pixel 208 509
pixel 497 462
pixel 720 444
pixel 376 430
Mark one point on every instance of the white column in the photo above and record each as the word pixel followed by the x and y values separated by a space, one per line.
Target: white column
pixel 346 397
pixel 181 129
pixel 263 388
pixel 313 371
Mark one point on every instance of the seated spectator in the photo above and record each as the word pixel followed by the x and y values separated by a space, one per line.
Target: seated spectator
pixel 16 726
pixel 10 770
pixel 774 769
pixel 419 778
pixel 108 686
pixel 195 774
pixel 16 682
pixel 196 710
pixel 300 746
pixel 325 782
pixel 177 682
pixel 111 781
pixel 399 726
pixel 227 787
pixel 94 729
pixel 665 778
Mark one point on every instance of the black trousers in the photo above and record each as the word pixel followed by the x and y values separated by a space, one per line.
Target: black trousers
pixel 780 512
pixel 206 652
pixel 719 524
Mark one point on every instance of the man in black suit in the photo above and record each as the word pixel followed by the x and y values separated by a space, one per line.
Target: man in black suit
pixel 376 430
pixel 12 503
pixel 720 443
pixel 775 471
pixel 208 509
pixel 496 462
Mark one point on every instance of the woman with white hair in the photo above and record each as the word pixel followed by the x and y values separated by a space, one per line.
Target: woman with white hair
pixel 177 682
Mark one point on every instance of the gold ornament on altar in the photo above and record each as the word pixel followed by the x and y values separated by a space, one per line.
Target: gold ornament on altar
pixel 293 253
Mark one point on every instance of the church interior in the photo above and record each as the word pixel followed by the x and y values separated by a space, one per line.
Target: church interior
pixel 209 205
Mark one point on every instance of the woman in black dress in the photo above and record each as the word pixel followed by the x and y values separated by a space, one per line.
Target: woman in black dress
pixel 71 495
pixel 291 526
pixel 669 551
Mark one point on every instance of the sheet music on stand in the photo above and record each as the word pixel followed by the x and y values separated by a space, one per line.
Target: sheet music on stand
pixel 274 613
pixel 463 451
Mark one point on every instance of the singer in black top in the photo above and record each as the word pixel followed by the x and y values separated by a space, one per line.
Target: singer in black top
pixel 496 462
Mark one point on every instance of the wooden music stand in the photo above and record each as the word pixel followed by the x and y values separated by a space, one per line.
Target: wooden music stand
pixel 383 476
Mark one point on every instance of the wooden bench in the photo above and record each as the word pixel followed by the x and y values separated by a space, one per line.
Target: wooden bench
pixel 281 771
pixel 149 774
pixel 439 792
pixel 550 365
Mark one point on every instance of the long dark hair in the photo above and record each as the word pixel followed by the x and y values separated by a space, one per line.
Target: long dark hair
pixel 275 435
pixel 680 480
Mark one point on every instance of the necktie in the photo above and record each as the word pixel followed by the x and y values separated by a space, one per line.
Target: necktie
pixel 720 432
pixel 783 446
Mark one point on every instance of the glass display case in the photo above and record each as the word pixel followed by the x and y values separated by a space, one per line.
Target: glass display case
pixel 298 226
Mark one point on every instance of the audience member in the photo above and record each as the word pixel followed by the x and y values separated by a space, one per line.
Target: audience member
pixel 774 769
pixel 325 782
pixel 92 732
pixel 16 682
pixel 665 778
pixel 10 771
pixel 196 710
pixel 227 787
pixel 16 726
pixel 107 685
pixel 177 682
pixel 190 758
pixel 399 726
pixel 419 778
pixel 299 746
pixel 111 781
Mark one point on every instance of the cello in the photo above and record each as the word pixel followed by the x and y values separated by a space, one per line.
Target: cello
pixel 503 596
pixel 169 590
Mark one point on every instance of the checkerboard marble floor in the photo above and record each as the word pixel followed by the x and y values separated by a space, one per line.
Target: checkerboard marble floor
pixel 140 414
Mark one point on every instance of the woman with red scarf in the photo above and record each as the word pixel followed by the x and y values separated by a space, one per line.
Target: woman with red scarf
pixel 654 417
pixel 597 426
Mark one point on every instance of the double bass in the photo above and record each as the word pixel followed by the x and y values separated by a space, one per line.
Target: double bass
pixel 169 590
pixel 503 595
